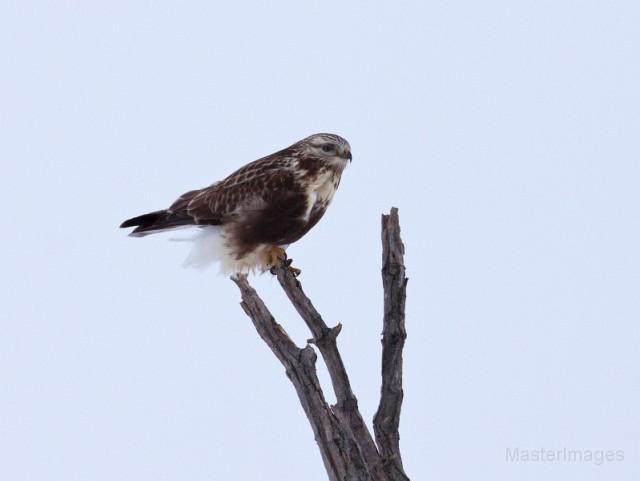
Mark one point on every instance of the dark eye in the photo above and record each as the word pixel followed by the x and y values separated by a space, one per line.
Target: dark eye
pixel 327 148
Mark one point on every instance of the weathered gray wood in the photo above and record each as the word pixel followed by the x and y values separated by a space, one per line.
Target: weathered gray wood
pixel 346 407
pixel 338 452
pixel 386 421
pixel 348 450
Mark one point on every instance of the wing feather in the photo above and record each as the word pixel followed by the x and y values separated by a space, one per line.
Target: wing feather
pixel 249 188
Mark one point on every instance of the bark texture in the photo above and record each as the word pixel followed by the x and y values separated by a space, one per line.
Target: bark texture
pixel 346 445
pixel 386 421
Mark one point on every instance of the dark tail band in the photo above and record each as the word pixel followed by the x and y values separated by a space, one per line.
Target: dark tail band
pixel 151 222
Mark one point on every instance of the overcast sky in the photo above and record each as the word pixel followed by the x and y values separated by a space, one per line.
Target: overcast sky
pixel 506 132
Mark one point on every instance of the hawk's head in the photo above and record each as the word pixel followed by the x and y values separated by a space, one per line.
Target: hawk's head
pixel 329 148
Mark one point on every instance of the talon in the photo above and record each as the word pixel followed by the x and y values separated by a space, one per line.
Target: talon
pixel 276 256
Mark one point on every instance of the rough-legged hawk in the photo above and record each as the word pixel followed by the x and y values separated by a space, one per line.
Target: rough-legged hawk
pixel 248 219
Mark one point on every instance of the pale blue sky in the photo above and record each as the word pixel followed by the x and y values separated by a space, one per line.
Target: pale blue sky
pixel 506 132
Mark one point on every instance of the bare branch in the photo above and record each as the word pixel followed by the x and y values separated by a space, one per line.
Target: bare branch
pixel 387 419
pixel 324 337
pixel 339 453
pixel 348 450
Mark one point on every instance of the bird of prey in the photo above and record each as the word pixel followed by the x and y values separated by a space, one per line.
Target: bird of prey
pixel 247 221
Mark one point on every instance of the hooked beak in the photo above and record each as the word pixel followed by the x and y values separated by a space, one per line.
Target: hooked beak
pixel 346 154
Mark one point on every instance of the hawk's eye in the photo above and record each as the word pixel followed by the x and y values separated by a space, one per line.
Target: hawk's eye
pixel 327 148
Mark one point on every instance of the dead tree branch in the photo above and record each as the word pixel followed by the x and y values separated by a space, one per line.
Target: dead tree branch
pixel 348 450
pixel 341 459
pixel 324 338
pixel 387 419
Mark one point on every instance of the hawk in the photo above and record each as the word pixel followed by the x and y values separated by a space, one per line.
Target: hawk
pixel 246 221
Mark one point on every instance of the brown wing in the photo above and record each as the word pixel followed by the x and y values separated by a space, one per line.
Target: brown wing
pixel 250 187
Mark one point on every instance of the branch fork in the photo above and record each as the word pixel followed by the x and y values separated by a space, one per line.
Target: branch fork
pixel 348 450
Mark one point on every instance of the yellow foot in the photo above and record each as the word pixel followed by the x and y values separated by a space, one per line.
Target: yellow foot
pixel 276 255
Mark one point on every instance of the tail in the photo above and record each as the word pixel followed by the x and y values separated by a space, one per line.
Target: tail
pixel 153 222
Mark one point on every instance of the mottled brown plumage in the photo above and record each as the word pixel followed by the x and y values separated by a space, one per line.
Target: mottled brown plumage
pixel 270 202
